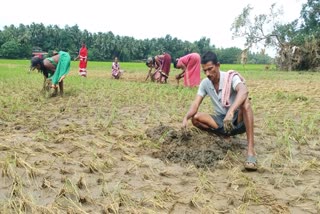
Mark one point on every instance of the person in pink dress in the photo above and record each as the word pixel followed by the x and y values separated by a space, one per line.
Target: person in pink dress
pixel 190 66
pixel 116 72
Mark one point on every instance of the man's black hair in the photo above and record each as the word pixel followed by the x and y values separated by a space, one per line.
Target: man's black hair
pixel 209 56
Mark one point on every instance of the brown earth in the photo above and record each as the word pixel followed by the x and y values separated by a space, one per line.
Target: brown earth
pixel 86 158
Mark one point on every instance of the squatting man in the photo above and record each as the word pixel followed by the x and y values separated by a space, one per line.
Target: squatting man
pixel 232 109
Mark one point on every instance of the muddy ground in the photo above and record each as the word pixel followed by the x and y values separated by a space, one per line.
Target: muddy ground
pixel 76 154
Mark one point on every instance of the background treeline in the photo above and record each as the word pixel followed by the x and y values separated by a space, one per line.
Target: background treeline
pixel 18 42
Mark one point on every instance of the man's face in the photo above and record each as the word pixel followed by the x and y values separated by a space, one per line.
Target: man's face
pixel 211 70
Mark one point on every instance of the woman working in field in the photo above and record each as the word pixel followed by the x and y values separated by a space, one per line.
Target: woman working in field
pixel 190 66
pixel 161 64
pixel 116 72
pixel 54 68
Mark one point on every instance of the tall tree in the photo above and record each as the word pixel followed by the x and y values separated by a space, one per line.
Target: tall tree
pixel 288 39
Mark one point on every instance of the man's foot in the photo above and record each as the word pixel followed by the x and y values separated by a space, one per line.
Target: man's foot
pixel 251 163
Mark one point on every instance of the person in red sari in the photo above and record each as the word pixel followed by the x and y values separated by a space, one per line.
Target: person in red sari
pixel 161 64
pixel 83 57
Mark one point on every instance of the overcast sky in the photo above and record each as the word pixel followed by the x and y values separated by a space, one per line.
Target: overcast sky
pixel 141 19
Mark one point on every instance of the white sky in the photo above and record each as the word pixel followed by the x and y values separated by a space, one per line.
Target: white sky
pixel 141 19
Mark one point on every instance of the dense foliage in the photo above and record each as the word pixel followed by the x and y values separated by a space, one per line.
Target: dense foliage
pixel 18 43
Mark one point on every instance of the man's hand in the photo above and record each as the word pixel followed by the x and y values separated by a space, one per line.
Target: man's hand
pixel 185 123
pixel 227 122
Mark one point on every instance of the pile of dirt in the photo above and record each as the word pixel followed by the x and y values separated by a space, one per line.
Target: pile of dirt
pixel 194 146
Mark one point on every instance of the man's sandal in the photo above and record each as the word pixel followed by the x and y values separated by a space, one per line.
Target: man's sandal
pixel 251 163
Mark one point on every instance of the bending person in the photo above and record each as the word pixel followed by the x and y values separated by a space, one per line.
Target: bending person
pixel 54 68
pixel 161 64
pixel 190 66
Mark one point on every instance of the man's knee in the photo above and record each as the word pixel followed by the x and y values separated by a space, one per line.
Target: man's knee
pixel 195 120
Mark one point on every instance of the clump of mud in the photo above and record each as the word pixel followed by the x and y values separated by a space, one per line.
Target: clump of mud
pixel 194 146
